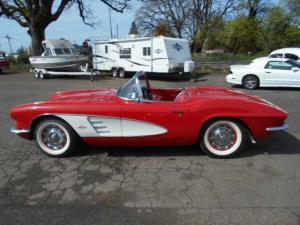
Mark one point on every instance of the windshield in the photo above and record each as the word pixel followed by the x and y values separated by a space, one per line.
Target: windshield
pixel 134 89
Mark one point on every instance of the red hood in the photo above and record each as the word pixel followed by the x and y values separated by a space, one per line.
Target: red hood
pixel 84 95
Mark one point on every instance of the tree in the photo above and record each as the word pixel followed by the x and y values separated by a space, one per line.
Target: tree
pixel 253 8
pixel 156 12
pixel 162 29
pixel 278 29
pixel 133 29
pixel 239 37
pixel 293 7
pixel 188 19
pixel 37 15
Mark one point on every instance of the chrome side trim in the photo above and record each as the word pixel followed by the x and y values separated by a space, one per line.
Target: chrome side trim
pixel 19 131
pixel 283 127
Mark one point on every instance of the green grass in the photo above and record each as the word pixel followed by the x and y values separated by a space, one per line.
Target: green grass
pixel 227 57
pixel 18 68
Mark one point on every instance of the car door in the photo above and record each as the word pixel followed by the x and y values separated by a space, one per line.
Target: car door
pixel 155 123
pixel 278 73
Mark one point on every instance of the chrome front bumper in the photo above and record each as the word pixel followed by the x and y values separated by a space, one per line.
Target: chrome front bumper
pixel 283 127
pixel 19 131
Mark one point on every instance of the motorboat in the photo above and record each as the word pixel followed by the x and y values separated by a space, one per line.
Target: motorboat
pixel 59 54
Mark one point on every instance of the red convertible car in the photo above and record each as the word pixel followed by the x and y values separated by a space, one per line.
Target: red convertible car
pixel 220 120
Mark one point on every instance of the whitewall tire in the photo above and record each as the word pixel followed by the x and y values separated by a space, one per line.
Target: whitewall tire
pixel 55 138
pixel 223 138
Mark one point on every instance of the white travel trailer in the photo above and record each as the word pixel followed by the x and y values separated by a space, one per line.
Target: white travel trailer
pixel 150 54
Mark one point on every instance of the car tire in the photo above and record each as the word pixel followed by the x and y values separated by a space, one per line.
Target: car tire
pixel 114 72
pixel 55 138
pixel 250 82
pixel 122 73
pixel 223 138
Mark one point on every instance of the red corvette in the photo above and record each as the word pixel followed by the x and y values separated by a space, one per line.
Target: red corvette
pixel 220 120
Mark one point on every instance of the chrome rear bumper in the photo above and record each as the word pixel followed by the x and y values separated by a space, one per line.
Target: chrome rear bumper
pixel 19 131
pixel 283 127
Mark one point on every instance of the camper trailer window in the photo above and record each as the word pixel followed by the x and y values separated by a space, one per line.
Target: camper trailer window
pixel 125 53
pixel 146 51
pixel 106 49
pixel 58 51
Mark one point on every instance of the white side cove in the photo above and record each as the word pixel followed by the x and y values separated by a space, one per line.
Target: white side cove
pixel 97 126
pixel 134 128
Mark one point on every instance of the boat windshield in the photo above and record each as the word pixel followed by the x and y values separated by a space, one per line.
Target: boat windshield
pixel 64 51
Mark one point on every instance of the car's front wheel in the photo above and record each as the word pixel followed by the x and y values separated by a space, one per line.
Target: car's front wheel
pixel 250 82
pixel 223 138
pixel 55 138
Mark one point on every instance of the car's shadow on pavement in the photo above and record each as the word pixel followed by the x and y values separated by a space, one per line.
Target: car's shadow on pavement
pixel 281 143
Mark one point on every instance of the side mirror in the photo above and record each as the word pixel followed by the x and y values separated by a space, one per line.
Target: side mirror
pixel 295 69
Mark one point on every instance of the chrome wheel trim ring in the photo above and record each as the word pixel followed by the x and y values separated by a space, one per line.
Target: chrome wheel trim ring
pixel 250 82
pixel 53 138
pixel 223 138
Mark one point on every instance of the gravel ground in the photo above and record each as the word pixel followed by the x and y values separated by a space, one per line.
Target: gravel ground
pixel 167 185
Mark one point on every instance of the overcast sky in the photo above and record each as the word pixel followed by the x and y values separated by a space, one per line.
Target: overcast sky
pixel 70 26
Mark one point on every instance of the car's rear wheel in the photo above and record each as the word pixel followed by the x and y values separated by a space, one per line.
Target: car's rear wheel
pixel 223 138
pixel 114 72
pixel 55 138
pixel 250 82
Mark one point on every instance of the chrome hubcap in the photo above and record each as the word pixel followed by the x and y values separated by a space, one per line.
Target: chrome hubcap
pixel 250 82
pixel 53 137
pixel 222 137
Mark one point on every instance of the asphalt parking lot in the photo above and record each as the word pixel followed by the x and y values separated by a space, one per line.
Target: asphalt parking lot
pixel 167 185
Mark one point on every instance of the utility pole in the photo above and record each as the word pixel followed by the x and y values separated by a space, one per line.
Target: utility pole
pixel 8 39
pixel 111 34
pixel 117 31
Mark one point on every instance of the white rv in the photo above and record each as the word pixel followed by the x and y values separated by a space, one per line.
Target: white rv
pixel 150 54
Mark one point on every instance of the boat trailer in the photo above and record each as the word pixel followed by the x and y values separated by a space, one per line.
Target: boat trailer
pixel 47 73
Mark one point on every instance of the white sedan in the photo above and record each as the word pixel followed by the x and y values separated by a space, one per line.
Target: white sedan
pixel 266 72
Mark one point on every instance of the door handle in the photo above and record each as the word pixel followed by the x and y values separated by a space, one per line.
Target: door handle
pixel 178 111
